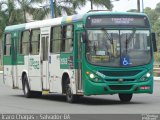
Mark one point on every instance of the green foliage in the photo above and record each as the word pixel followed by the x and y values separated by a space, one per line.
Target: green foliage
pixel 154 16
pixel 69 6
pixel 133 10
pixel 9 15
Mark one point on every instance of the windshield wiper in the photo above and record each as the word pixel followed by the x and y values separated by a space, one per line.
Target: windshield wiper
pixel 110 38
pixel 129 39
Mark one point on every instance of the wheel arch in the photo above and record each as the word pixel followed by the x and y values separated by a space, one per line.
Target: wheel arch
pixel 65 80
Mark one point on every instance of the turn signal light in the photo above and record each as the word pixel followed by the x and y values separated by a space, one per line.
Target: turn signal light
pixel 87 72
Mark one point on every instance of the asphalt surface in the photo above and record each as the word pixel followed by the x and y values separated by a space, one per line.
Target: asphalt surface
pixel 13 101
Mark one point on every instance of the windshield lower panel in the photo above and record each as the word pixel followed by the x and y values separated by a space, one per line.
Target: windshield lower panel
pixel 118 48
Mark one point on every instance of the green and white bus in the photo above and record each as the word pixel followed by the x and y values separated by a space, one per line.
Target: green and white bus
pixel 95 53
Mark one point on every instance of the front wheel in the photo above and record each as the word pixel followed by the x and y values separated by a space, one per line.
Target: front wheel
pixel 125 97
pixel 70 97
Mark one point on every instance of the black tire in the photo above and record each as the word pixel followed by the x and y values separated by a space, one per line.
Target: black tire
pixel 70 97
pixel 125 97
pixel 26 90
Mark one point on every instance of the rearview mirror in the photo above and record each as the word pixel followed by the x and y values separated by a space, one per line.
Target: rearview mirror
pixel 84 37
pixel 154 42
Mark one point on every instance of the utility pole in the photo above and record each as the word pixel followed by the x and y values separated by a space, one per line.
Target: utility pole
pixel 142 6
pixel 52 7
pixel 91 5
pixel 138 5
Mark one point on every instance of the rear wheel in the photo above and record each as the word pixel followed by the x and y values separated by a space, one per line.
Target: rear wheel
pixel 125 97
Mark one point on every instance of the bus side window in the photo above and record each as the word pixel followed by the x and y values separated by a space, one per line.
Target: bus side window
pixel 24 43
pixel 7 44
pixel 35 39
pixel 67 34
pixel 56 39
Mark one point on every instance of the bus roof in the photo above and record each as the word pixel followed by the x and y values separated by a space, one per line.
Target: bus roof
pixel 112 13
pixel 15 27
pixel 35 24
pixel 63 20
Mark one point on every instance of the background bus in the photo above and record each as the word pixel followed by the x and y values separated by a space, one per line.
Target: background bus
pixel 92 54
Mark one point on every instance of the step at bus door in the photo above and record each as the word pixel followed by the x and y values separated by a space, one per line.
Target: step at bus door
pixel 44 61
pixel 14 59
pixel 79 61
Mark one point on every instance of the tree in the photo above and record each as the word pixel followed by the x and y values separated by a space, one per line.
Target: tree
pixel 106 3
pixel 153 16
pixel 69 6
pixel 9 15
pixel 157 9
pixel 28 7
pixel 132 10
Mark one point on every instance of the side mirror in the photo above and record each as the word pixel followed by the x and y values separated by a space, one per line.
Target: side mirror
pixel 154 42
pixel 84 37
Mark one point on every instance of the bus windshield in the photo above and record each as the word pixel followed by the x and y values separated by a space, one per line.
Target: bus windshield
pixel 118 48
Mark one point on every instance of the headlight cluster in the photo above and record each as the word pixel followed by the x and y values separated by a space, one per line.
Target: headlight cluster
pixel 146 76
pixel 93 77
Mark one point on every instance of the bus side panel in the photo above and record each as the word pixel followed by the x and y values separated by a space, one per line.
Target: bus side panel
pixel 55 74
pixel 8 80
pixel 22 67
pixel 7 62
pixel 35 73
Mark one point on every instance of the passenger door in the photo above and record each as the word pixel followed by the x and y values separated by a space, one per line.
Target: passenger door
pixel 79 60
pixel 44 60
pixel 14 59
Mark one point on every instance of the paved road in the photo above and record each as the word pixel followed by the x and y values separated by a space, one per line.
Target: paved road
pixel 12 101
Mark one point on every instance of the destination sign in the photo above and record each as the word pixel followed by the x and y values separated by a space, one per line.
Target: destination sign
pixel 120 21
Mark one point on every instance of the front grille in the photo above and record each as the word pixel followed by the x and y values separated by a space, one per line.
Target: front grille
pixel 117 80
pixel 120 87
pixel 120 73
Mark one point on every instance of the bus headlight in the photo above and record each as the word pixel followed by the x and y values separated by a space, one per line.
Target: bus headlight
pixel 91 76
pixel 146 76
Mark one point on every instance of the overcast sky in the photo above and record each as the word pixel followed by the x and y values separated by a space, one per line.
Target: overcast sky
pixel 124 5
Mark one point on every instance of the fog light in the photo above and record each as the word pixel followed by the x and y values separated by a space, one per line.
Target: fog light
pixel 144 79
pixel 91 76
pixel 148 75
pixel 96 79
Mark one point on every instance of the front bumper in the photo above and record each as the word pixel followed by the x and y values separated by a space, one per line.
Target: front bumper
pixel 93 88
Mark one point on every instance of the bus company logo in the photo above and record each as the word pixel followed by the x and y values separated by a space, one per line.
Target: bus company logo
pixel 149 117
pixel 100 74
pixel 120 80
pixel 34 64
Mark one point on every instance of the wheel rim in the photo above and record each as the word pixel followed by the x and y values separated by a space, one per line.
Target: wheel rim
pixel 25 89
pixel 69 93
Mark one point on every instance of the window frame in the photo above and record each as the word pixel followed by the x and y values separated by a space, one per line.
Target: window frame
pixel 31 49
pixel 21 42
pixel 5 45
pixel 64 38
pixel 52 40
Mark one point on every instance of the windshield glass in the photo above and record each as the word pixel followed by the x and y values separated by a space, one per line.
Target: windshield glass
pixel 118 48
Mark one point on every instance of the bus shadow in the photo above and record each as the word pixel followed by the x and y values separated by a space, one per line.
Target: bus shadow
pixel 84 100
